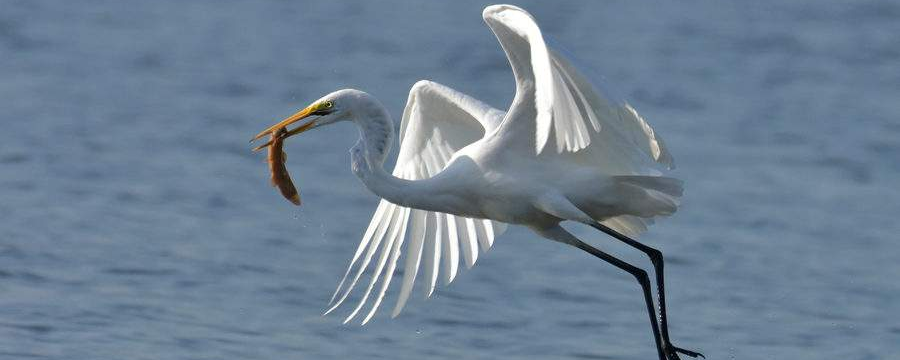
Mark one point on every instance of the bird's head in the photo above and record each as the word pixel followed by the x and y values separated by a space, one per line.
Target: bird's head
pixel 334 107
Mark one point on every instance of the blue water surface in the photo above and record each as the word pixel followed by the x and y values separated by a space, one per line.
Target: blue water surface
pixel 136 224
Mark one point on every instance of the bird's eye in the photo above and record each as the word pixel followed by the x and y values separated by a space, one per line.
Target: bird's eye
pixel 328 104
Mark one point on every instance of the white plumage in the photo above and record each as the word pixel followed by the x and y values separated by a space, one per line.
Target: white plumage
pixel 437 123
pixel 587 130
pixel 465 170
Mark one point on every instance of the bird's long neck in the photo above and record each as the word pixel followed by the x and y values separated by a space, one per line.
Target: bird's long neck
pixel 369 154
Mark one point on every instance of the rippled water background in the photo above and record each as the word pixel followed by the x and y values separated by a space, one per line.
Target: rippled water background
pixel 136 224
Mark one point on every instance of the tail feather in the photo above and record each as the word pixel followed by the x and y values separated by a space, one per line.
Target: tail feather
pixel 649 196
pixel 666 185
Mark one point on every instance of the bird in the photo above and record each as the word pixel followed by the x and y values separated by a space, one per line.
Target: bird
pixel 561 152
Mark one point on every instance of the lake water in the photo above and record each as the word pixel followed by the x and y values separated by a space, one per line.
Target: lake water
pixel 136 224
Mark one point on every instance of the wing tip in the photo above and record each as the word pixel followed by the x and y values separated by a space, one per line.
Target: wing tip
pixel 396 312
pixel 489 232
pixel 496 14
pixel 492 10
pixel 421 85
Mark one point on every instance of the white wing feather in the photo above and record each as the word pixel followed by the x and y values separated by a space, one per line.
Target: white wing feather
pixel 565 101
pixel 589 129
pixel 437 122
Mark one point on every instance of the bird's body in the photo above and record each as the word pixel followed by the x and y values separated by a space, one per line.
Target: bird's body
pixel 498 178
pixel 561 152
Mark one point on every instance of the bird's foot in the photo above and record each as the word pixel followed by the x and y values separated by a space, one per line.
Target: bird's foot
pixel 672 352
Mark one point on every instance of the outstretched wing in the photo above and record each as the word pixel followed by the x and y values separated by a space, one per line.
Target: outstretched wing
pixel 586 127
pixel 437 122
pixel 565 102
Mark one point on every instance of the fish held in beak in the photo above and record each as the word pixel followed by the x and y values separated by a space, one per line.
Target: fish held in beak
pixel 281 179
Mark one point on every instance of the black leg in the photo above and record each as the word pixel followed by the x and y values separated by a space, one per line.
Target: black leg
pixel 656 258
pixel 641 277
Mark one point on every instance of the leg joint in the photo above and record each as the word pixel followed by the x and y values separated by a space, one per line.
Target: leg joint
pixel 656 256
pixel 641 275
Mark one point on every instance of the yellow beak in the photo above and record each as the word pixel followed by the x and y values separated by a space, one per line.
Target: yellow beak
pixel 300 115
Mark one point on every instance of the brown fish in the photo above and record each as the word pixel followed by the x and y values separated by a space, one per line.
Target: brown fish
pixel 280 177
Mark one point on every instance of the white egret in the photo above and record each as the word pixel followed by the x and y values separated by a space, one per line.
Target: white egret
pixel 465 170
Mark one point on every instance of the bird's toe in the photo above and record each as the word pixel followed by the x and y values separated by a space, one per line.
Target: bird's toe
pixel 673 351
